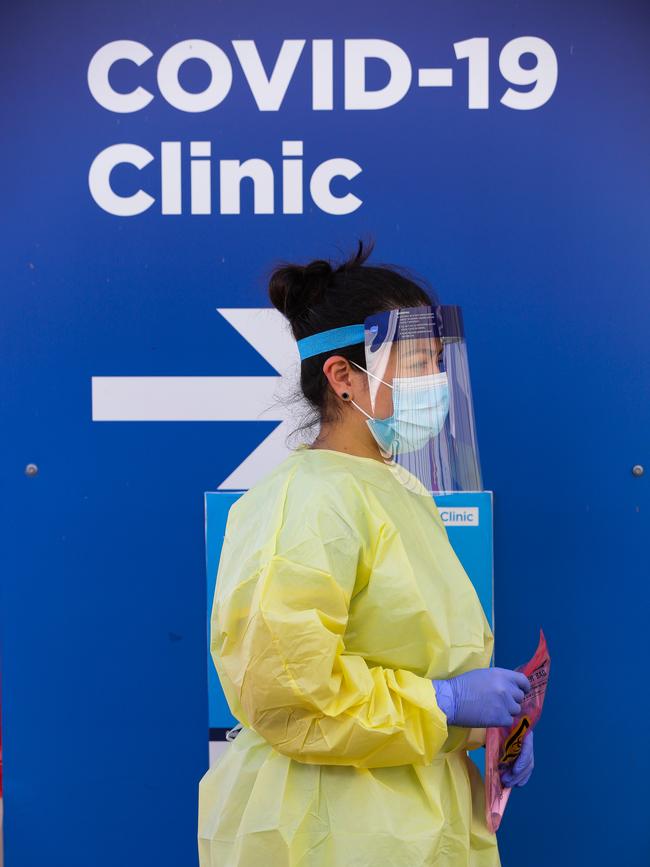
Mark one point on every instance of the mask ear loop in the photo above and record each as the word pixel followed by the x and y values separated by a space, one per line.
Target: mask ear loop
pixel 390 455
pixel 359 408
pixel 371 374
pixel 346 396
pixel 374 377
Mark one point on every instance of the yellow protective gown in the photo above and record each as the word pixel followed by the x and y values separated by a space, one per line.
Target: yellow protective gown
pixel 338 599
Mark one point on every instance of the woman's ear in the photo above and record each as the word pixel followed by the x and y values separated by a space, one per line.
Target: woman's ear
pixel 338 373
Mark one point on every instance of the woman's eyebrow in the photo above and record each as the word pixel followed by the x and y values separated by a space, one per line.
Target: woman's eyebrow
pixel 429 352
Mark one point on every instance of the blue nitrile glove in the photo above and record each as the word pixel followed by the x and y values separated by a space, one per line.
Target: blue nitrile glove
pixel 519 773
pixel 482 697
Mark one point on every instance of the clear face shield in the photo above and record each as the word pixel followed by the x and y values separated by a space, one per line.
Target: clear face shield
pixel 421 413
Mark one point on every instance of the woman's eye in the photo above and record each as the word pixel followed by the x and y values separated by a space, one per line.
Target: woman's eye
pixel 427 365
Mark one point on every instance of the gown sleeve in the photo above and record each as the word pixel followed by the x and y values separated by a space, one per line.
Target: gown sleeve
pixel 277 641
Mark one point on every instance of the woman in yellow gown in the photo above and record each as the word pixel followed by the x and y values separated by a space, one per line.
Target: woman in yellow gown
pixel 338 601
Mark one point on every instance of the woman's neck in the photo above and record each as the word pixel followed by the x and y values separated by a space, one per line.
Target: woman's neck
pixel 346 439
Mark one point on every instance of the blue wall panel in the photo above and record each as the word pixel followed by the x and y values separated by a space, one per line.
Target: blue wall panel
pixel 535 221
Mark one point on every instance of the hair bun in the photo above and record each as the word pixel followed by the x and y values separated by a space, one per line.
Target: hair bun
pixel 294 289
pixel 319 268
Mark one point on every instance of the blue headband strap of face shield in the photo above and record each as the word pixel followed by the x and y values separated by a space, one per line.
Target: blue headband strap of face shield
pixel 334 338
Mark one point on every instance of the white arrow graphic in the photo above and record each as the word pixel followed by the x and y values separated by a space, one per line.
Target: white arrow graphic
pixel 217 398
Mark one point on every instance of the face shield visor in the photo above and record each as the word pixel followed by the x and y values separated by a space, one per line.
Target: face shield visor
pixel 421 413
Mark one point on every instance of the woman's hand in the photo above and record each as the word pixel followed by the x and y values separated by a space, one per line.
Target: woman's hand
pixel 519 773
pixel 482 697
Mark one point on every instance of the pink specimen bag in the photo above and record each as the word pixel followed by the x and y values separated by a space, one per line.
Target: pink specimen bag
pixel 503 745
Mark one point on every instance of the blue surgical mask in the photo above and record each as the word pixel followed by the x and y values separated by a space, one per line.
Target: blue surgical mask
pixel 420 408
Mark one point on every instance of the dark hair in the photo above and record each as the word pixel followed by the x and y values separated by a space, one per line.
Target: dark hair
pixel 319 296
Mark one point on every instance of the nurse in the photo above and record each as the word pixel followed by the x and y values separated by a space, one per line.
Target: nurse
pixel 348 639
